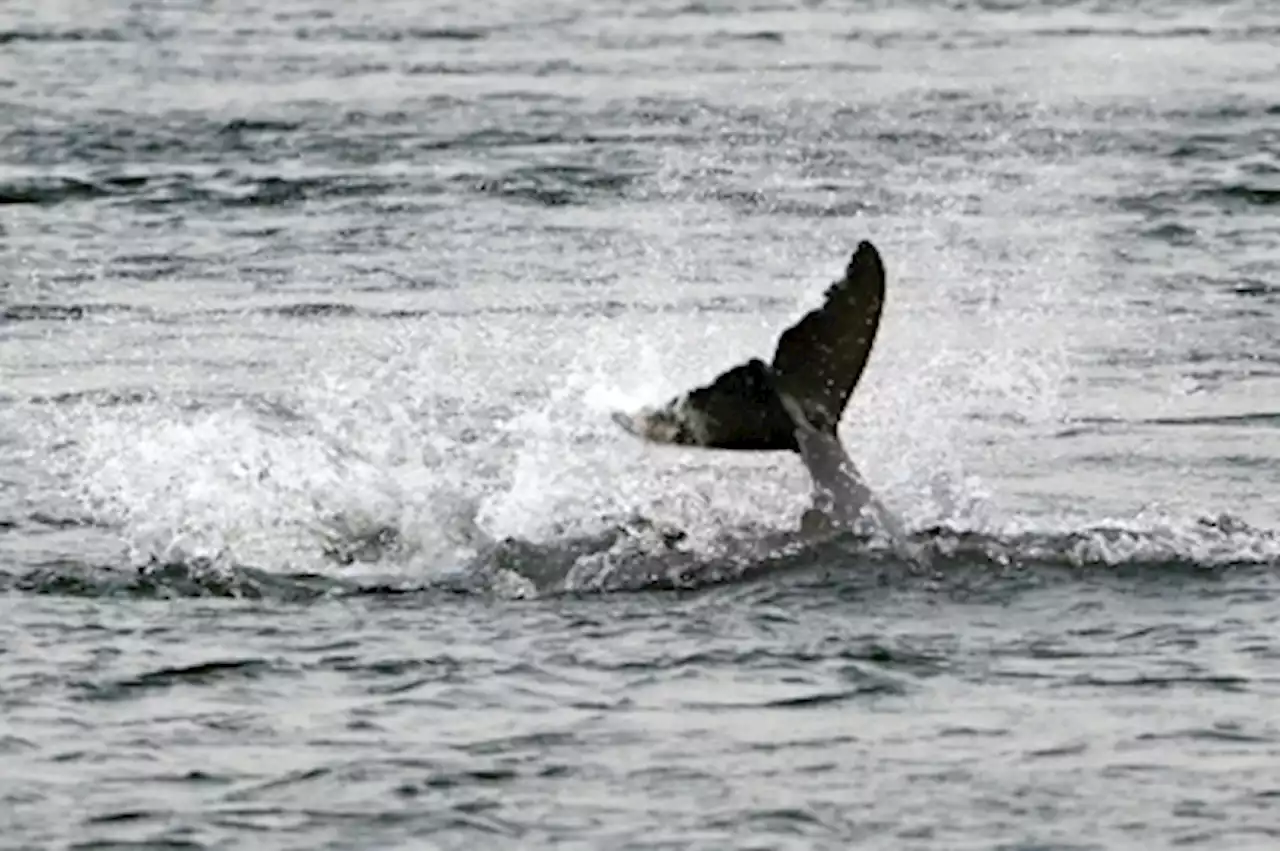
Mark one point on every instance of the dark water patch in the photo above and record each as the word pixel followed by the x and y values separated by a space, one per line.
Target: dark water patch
pixel 125 816
pixel 104 398
pixel 1127 32
pixel 441 668
pixel 438 774
pixel 1216 114
pixel 46 190
pixel 311 310
pixel 812 822
pixel 874 687
pixel 766 36
pixel 199 578
pixel 51 190
pixel 151 844
pixel 1251 195
pixel 195 777
pixel 176 140
pixel 67 312
pixel 865 660
pixel 550 186
pixel 1254 287
pixel 1269 419
pixel 965 731
pixel 601 308
pixel 515 68
pixel 51 521
pixel 523 744
pixel 695 8
pixel 202 674
pixel 1253 31
pixel 1228 198
pixel 176 144
pixel 1222 732
pixel 186 187
pixel 52 36
pixel 400 281
pixel 466 778
pixel 10 744
pixel 259 125
pixel 42 312
pixel 335 310
pixel 280 191
pixel 1172 233
pixel 492 137
pixel 383 34
pixel 1224 683
pixel 1260 418
pixel 149 267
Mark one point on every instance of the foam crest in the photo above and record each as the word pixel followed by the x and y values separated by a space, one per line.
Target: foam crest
pixel 572 471
pixel 342 476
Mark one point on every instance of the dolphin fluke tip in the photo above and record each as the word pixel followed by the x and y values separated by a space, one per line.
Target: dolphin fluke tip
pixel 817 363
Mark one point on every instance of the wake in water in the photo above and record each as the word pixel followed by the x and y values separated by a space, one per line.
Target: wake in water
pixel 643 556
pixel 350 493
pixel 267 501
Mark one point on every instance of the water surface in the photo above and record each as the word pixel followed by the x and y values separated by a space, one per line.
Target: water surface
pixel 311 319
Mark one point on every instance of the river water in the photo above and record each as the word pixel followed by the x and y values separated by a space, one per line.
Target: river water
pixel 315 531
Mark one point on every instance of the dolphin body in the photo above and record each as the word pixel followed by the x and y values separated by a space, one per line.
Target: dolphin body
pixel 795 403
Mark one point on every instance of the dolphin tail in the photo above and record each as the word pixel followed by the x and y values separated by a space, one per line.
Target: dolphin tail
pixel 840 493
pixel 817 363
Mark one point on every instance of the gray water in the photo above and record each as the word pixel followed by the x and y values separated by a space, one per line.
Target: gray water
pixel 315 531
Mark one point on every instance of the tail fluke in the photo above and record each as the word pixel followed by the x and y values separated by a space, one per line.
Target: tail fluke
pixel 739 410
pixel 817 363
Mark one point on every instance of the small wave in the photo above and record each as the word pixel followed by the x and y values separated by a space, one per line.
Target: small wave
pixel 640 556
pixel 643 557
pixel 1172 233
pixel 384 34
pixel 769 36
pixel 189 188
pixel 820 202
pixel 550 186
pixel 277 191
pixel 58 36
pixel 52 521
pixel 202 673
pixel 99 398
pixel 1224 683
pixel 259 125
pixel 163 581
pixel 1255 288
pixel 1169 202
pixel 65 312
pixel 51 190
pixel 1001 37
pixel 1126 32
pixel 594 308
pixel 1252 195
pixel 312 309
pixel 1260 418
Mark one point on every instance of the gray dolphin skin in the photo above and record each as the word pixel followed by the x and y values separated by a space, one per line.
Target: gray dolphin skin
pixel 795 403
